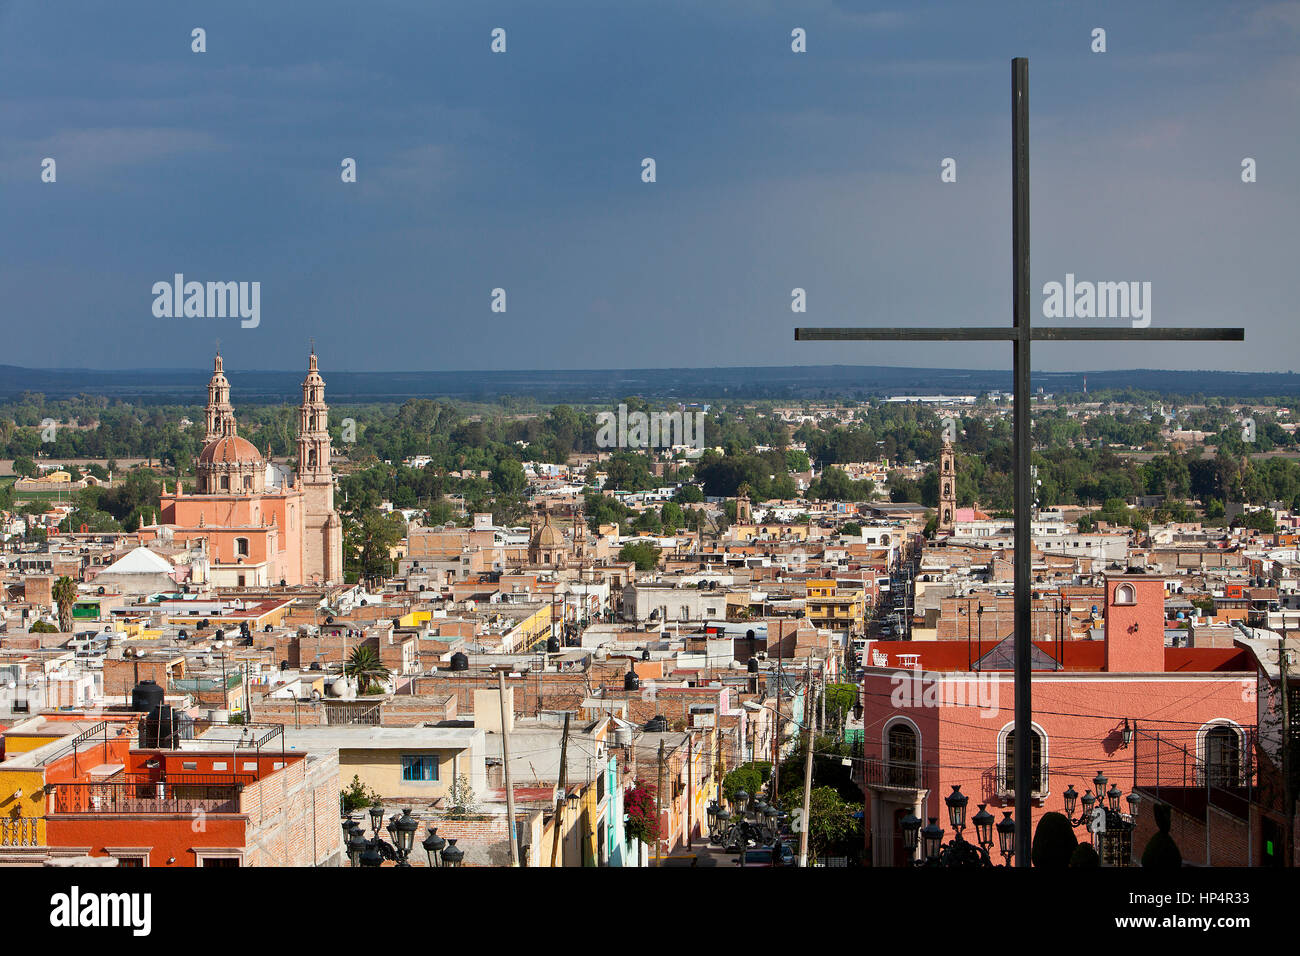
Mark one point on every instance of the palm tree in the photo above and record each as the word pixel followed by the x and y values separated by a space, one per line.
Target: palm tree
pixel 65 595
pixel 364 666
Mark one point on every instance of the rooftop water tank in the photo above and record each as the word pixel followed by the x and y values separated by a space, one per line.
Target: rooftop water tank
pixel 657 725
pixel 459 662
pixel 631 681
pixel 145 696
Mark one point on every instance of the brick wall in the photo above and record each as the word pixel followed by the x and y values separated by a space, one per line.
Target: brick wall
pixel 293 815
pixel 1229 836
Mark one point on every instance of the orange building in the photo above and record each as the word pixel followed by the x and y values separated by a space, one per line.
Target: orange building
pixel 261 527
pixel 241 801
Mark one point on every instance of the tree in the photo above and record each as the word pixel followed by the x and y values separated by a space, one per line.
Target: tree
pixel 463 802
pixel 357 796
pixel 831 822
pixel 1084 856
pixel 365 667
pixel 1054 842
pixel 748 777
pixel 508 477
pixel 1161 852
pixel 840 699
pixel 369 541
pixel 24 467
pixel 42 627
pixel 65 596
pixel 643 553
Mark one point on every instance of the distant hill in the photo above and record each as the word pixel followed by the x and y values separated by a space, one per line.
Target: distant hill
pixel 188 386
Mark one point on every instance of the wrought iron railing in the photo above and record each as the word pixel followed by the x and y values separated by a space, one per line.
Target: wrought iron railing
pixel 139 797
pixel 900 774
pixel 21 831
pixel 1006 779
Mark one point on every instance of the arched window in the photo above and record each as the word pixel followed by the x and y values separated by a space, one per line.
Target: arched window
pixel 903 756
pixel 225 482
pixel 1220 751
pixel 1125 594
pixel 1037 762
pixel 241 547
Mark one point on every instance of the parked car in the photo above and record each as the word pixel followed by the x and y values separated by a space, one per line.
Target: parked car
pixel 780 855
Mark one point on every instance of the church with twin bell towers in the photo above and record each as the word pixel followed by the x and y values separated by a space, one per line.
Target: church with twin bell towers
pixel 261 525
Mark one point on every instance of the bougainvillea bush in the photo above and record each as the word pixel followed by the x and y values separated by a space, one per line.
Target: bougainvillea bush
pixel 639 805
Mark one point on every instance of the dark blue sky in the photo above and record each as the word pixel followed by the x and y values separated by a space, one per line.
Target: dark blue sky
pixel 522 171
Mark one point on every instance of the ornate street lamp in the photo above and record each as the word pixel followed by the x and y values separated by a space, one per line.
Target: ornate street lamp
pixel 433 845
pixel 956 802
pixel 1113 796
pixel 371 856
pixel 376 817
pixel 1007 837
pixel 404 836
pixel 983 821
pixel 1112 831
pixel 452 855
pixel 911 826
pixel 356 846
pixel 931 837
pixel 960 852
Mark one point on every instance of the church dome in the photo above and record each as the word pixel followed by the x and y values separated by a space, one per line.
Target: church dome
pixel 229 450
pixel 548 536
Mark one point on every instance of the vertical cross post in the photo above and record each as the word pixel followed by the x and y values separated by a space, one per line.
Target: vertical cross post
pixel 1023 756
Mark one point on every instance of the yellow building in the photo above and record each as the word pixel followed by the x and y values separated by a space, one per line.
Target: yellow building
pixel 835 607
pixel 418 764
pixel 39 750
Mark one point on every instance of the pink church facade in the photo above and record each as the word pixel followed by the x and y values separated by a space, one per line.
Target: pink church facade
pixel 933 721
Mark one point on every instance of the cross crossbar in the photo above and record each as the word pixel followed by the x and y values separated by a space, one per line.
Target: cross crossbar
pixel 1010 334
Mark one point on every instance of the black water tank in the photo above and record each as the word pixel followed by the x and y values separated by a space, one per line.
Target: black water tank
pixel 145 696
pixel 753 665
pixel 459 662
pixel 657 725
pixel 553 645
pixel 158 729
pixel 631 681
pixel 645 653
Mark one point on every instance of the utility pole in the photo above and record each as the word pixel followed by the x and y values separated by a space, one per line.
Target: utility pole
pixel 561 796
pixel 776 733
pixel 505 760
pixel 807 782
pixel 690 791
pixel 659 797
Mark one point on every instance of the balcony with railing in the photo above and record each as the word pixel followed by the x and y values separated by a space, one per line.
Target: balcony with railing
pixel 1000 782
pixel 209 793
pixel 882 773
pixel 22 831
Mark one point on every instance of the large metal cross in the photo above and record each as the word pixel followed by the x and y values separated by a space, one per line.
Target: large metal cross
pixel 1020 335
